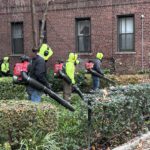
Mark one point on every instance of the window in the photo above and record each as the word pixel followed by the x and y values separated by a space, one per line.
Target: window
pixel 44 31
pixel 83 35
pixel 126 34
pixel 17 37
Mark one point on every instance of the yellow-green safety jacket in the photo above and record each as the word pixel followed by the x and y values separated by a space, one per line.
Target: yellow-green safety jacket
pixel 70 66
pixel 5 65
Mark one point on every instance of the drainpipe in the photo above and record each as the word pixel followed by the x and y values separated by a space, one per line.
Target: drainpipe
pixel 142 55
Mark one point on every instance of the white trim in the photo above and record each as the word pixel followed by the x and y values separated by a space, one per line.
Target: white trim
pixel 125 53
pixel 84 53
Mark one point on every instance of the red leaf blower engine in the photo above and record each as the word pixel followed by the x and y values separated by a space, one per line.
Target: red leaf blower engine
pixel 20 76
pixel 58 71
pixel 17 71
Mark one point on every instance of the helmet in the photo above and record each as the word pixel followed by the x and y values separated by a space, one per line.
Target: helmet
pixel 45 51
pixel 99 55
pixel 73 57
pixel 6 58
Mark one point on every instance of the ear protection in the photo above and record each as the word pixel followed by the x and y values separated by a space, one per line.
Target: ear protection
pixel 46 52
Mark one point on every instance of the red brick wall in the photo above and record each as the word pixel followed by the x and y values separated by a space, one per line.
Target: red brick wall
pixel 61 30
pixel 132 62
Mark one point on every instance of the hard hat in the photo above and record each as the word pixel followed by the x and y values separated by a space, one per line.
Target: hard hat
pixel 45 51
pixel 6 58
pixel 99 55
pixel 73 56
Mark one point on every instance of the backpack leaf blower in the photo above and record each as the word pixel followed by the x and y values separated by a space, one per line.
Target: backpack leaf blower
pixel 58 70
pixel 89 68
pixel 21 77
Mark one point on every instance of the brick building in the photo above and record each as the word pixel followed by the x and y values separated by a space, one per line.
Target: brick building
pixel 118 28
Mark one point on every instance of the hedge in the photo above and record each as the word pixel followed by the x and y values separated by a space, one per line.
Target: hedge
pixel 118 114
pixel 121 112
pixel 8 90
pixel 21 119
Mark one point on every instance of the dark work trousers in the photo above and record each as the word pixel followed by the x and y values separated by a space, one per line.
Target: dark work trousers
pixel 67 90
pixel 33 94
pixel 96 82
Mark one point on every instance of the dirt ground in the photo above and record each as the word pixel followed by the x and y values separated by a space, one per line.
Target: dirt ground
pixel 145 145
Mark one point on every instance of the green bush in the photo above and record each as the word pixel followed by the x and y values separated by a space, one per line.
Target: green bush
pixel 73 126
pixel 21 119
pixel 118 116
pixel 122 113
pixel 8 90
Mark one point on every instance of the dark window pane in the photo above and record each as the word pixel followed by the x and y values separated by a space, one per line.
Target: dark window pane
pixel 129 41
pixel 84 44
pixel 83 27
pixel 18 46
pixel 84 30
pixel 126 34
pixel 17 31
pixel 122 42
pixel 17 37
pixel 83 35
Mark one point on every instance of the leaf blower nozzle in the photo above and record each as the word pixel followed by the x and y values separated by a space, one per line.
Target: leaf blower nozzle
pixel 46 90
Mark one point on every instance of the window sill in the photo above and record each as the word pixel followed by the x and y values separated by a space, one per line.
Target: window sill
pixel 81 54
pixel 125 52
pixel 16 55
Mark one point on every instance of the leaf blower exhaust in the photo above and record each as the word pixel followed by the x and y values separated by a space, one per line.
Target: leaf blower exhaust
pixel 43 88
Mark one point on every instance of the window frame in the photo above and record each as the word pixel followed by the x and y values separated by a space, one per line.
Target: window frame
pixel 118 34
pixel 77 20
pixel 12 38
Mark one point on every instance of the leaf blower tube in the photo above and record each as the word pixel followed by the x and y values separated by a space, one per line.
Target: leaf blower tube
pixel 40 86
pixel 89 66
pixel 100 76
pixel 76 89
